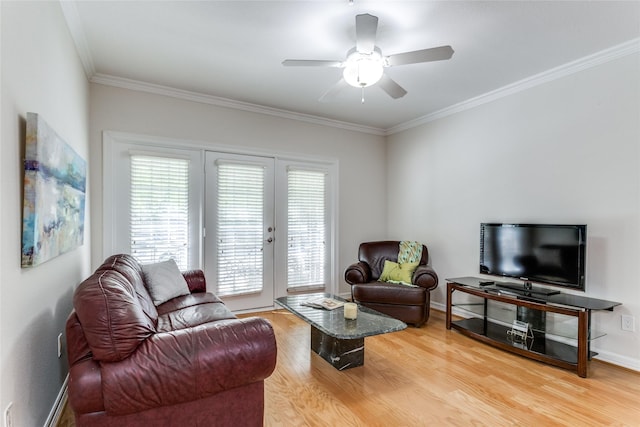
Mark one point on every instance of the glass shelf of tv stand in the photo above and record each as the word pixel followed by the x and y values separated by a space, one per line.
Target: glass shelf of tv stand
pixel 557 326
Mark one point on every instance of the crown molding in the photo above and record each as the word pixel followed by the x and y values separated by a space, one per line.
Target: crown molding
pixel 141 86
pixel 74 23
pixel 599 58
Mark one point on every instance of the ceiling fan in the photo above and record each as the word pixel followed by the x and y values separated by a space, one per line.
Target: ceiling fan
pixel 364 65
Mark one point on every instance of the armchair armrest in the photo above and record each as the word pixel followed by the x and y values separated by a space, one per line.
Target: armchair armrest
pixel 359 272
pixel 190 364
pixel 426 277
pixel 195 280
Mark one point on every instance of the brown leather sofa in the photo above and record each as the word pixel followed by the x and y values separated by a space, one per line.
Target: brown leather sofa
pixel 187 362
pixel 407 303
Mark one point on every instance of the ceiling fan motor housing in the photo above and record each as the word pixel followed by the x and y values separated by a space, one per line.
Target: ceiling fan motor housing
pixel 363 69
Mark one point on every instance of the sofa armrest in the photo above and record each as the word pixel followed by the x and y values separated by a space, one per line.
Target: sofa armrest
pixel 426 277
pixel 85 387
pixel 359 272
pixel 190 364
pixel 195 280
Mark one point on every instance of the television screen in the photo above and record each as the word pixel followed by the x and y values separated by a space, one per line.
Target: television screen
pixel 543 253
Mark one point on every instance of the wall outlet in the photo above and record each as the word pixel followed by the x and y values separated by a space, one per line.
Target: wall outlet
pixel 628 323
pixel 59 345
pixel 8 415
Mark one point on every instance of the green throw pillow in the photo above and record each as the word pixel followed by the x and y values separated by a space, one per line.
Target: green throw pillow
pixel 398 273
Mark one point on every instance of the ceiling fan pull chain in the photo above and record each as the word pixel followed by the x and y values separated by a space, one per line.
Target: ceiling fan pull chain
pixel 363 95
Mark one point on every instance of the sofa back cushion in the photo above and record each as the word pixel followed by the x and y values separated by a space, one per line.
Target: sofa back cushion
pixel 376 253
pixel 130 268
pixel 111 315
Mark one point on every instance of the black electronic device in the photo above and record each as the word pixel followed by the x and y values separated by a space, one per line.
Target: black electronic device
pixel 550 254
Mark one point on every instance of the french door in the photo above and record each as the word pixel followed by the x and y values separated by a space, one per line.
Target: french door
pixel 239 229
pixel 260 227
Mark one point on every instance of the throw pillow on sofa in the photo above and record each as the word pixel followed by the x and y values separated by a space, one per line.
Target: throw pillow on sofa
pixel 164 281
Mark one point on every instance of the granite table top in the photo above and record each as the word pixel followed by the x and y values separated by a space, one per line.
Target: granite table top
pixel 333 323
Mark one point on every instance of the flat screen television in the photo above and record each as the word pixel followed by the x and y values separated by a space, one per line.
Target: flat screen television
pixel 550 254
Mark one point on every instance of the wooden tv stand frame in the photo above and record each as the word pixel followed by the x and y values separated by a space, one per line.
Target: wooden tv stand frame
pixel 547 350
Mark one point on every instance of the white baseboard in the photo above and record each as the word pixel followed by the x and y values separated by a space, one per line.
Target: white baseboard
pixel 58 405
pixel 618 360
pixel 439 306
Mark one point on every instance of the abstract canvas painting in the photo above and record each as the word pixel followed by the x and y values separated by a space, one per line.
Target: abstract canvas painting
pixel 54 195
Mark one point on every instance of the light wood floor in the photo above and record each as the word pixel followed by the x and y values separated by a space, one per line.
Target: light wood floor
pixel 434 377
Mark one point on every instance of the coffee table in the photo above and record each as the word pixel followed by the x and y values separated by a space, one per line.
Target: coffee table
pixel 337 340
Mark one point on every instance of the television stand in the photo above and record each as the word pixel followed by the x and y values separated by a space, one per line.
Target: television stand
pixel 554 329
pixel 526 288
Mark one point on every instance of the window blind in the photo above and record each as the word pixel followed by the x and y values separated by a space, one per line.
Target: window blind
pixel 240 225
pixel 306 217
pixel 159 209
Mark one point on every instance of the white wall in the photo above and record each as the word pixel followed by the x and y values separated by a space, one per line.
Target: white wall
pixel 361 157
pixel 40 73
pixel 563 152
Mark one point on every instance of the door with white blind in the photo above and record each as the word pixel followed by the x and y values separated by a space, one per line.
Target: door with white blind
pixel 304 237
pixel 239 226
pixel 151 201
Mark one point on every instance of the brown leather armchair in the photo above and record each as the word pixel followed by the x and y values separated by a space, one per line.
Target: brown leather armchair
pixel 407 303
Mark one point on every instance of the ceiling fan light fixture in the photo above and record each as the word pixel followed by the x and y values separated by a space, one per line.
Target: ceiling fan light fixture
pixel 362 69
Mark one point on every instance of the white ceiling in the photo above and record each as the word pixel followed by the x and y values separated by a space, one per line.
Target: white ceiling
pixel 232 50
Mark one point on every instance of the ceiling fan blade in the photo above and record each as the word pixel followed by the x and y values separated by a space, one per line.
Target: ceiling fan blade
pixel 333 91
pixel 391 87
pixel 310 63
pixel 366 27
pixel 424 55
